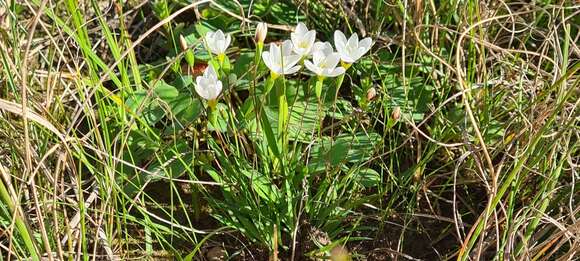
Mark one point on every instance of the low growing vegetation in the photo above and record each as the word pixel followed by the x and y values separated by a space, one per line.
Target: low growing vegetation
pixel 289 130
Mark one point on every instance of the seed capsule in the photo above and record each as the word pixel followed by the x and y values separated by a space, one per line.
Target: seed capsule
pixel 371 94
pixel 396 114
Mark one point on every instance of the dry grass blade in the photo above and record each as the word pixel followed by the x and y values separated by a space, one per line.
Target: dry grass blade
pixel 18 110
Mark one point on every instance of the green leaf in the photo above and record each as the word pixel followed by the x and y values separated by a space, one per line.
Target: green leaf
pixel 185 109
pixel 165 91
pixel 368 177
pixel 145 106
pixel 183 83
pixel 345 148
pixel 242 69
pixel 413 100
pixel 174 161
pixel 222 118
pixel 263 185
pixel 303 121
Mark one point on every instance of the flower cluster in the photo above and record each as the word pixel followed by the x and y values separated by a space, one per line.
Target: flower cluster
pixel 284 58
pixel 288 57
pixel 208 85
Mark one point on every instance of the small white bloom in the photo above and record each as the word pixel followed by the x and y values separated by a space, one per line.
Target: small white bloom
pixel 217 42
pixel 208 86
pixel 303 40
pixel 280 59
pixel 324 61
pixel 351 50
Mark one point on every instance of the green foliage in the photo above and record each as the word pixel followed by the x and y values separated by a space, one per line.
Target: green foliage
pixel 466 149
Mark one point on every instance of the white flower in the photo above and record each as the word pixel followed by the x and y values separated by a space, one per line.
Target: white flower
pixel 324 61
pixel 352 50
pixel 280 59
pixel 208 86
pixel 303 40
pixel 217 42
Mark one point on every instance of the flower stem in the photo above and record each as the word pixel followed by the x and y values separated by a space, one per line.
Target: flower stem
pixel 283 115
pixel 339 81
pixel 269 83
pixel 258 55
pixel 318 87
pixel 212 113
pixel 318 90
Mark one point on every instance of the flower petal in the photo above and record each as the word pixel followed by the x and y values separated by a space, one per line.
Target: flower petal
pixel 290 60
pixel 228 41
pixel 210 73
pixel 353 41
pixel 295 39
pixel 200 88
pixel 347 58
pixel 301 29
pixel 332 60
pixel 339 39
pixel 321 47
pixel 318 57
pixel 310 37
pixel 209 36
pixel 266 57
pixel 366 43
pixel 340 44
pixel 218 47
pixel 336 72
pixel 286 48
pixel 327 49
pixel 292 70
pixel 312 67
pixel 217 89
pixel 219 35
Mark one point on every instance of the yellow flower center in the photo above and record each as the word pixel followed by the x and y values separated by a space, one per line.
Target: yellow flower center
pixel 345 65
pixel 274 75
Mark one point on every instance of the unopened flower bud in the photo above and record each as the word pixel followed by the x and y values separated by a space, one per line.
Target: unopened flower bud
pixel 183 43
pixel 371 94
pixel 396 114
pixel 261 32
pixel 189 57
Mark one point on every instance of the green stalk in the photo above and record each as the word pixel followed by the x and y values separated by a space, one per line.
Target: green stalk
pixel 268 87
pixel 270 83
pixel 258 55
pixel 283 115
pixel 339 81
pixel 212 113
pixel 318 90
pixel 20 225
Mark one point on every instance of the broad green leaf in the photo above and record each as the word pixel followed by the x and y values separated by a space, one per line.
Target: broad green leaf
pixel 345 148
pixel 413 99
pixel 303 122
pixel 165 91
pixel 185 109
pixel 368 177
pixel 145 107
